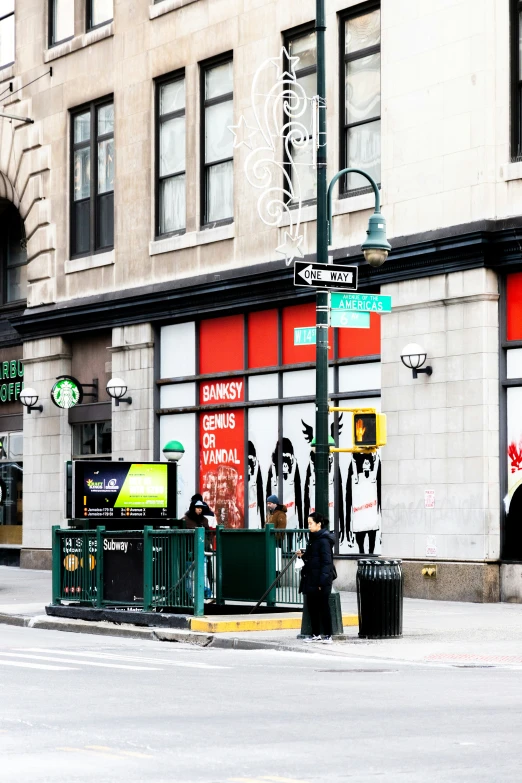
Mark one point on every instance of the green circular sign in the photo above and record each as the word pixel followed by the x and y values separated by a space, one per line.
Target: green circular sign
pixel 67 392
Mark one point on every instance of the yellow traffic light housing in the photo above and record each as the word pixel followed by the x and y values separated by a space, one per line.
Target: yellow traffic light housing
pixel 367 428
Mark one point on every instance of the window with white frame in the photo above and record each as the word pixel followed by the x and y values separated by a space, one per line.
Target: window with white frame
pixel 171 156
pixel 217 187
pixel 361 50
pixel 61 21
pixel 7 32
pixel 299 161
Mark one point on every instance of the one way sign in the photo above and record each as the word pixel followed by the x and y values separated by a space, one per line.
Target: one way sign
pixel 342 278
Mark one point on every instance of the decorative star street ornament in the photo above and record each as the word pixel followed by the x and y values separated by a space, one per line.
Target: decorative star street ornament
pixel 243 133
pixel 285 64
pixel 291 247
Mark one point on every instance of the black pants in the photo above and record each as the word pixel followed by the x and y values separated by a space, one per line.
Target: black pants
pixel 319 609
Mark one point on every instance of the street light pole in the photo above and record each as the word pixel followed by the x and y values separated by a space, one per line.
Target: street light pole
pixel 321 369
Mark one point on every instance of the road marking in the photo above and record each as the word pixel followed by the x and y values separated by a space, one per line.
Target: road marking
pixel 132 753
pixel 26 665
pixel 103 750
pixel 82 663
pixel 266 777
pixel 113 656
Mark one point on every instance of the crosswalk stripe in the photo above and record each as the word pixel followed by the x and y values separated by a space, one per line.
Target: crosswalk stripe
pixel 132 753
pixel 113 656
pixel 27 665
pixel 83 663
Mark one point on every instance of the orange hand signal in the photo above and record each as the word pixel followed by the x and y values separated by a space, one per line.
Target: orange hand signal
pixel 360 429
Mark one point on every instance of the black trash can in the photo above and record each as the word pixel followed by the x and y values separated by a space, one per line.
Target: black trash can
pixel 380 587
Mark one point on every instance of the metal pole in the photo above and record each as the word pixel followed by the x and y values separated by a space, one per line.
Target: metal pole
pixel 321 417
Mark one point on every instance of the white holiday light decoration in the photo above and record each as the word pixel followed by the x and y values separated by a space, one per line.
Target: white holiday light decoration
pixel 270 165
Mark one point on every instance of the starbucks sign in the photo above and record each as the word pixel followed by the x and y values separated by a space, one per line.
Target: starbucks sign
pixel 67 392
pixel 11 380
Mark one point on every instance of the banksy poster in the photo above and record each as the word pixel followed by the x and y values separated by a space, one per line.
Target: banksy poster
pixel 513 500
pixel 262 434
pixel 290 454
pixel 334 477
pixel 221 464
pixel 360 532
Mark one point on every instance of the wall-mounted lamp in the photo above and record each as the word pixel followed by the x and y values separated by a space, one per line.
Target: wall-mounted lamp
pixel 413 357
pixel 29 398
pixel 173 451
pixel 116 388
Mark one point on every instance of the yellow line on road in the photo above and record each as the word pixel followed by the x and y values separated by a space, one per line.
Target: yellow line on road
pixel 120 752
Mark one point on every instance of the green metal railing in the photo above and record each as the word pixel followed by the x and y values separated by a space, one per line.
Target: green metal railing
pixel 74 566
pixel 173 564
pixel 287 543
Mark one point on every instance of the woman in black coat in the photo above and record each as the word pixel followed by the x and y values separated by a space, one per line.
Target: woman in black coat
pixel 317 576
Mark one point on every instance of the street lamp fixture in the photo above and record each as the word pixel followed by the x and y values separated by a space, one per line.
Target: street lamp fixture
pixel 376 246
pixel 413 356
pixel 29 398
pixel 116 388
pixel 173 451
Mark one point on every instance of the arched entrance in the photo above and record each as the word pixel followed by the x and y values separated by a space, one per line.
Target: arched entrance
pixel 13 255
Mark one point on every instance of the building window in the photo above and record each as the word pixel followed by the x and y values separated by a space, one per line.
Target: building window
pixel 171 157
pixel 361 80
pixel 300 158
pixel 516 80
pixel 98 12
pixel 92 219
pixel 7 33
pixel 92 439
pixel 61 21
pixel 217 143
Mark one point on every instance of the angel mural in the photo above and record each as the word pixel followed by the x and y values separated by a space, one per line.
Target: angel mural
pixel 363 502
pixel 256 500
pixel 292 493
pixel 309 485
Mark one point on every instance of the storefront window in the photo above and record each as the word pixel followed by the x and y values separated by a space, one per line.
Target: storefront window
pixel 240 396
pixel 11 488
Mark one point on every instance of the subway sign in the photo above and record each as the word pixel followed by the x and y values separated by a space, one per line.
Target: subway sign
pixel 11 380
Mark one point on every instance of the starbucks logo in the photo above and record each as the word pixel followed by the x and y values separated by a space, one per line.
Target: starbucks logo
pixel 67 392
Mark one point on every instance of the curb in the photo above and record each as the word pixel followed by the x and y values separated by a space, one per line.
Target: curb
pixel 257 624
pixel 104 628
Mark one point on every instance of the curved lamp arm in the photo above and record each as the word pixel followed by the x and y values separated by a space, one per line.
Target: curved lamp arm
pixel 330 190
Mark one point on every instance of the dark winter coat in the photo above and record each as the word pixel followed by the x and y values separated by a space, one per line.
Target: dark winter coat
pixel 318 562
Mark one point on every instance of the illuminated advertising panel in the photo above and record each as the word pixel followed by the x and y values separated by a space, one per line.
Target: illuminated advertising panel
pixel 124 490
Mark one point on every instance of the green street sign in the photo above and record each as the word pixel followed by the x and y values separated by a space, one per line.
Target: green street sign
pixel 304 335
pixel 362 303
pixel 349 319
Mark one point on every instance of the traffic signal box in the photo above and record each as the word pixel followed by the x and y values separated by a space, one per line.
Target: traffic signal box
pixel 367 428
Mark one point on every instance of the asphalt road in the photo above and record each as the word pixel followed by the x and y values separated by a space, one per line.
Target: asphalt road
pixel 85 708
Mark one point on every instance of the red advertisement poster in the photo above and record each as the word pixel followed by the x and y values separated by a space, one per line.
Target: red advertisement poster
pixel 222 460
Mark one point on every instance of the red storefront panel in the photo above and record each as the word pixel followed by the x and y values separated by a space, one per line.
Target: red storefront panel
pixel 262 339
pixel 514 306
pixel 294 318
pixel 221 344
pixel 361 342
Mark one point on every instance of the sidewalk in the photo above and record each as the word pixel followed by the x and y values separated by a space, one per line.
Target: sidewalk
pixel 434 631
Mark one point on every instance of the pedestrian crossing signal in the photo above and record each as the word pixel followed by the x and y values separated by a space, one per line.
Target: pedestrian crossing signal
pixel 369 430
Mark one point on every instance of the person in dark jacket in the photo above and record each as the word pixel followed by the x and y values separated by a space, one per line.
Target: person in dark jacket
pixel 317 576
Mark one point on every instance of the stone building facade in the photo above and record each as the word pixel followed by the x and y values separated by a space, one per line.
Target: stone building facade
pixel 147 260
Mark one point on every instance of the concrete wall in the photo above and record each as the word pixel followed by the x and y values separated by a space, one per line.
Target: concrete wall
pixel 443 430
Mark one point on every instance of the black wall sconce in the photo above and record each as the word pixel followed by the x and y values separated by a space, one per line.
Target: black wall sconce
pixel 414 357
